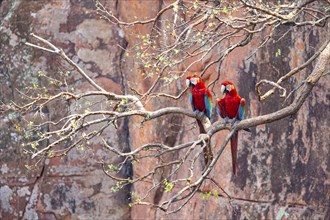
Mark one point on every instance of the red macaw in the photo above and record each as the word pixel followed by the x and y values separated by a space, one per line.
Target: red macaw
pixel 201 100
pixel 231 106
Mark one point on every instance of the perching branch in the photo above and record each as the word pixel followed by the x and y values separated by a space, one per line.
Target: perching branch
pixel 205 30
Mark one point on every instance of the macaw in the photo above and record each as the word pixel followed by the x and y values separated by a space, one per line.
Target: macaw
pixel 231 106
pixel 201 100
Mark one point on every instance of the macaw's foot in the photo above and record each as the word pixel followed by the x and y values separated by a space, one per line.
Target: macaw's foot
pixel 233 122
pixel 225 120
pixel 199 115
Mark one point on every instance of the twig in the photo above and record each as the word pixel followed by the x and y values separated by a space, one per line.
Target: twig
pixel 287 76
pixel 61 53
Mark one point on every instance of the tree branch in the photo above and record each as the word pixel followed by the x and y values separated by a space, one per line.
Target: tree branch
pixel 288 75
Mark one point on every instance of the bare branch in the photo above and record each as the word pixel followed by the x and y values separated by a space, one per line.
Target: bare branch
pixel 288 75
pixel 110 16
pixel 276 85
pixel 202 31
pixel 61 53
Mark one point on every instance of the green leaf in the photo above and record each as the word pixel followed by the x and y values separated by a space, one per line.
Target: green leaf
pixel 281 213
pixel 216 194
pixel 114 189
pixel 30 124
pixel 112 168
pixel 80 148
pixel 169 187
pixel 208 196
pixel 175 7
pixel 34 145
pixel 278 53
pixel 28 134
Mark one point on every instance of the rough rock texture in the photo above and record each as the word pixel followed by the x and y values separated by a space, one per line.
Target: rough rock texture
pixel 284 167
pixel 73 187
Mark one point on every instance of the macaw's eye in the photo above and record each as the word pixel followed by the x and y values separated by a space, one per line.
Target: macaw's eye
pixel 222 89
pixel 187 82
pixel 228 87
pixel 194 81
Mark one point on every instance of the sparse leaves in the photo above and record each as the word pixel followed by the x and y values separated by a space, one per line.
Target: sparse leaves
pixel 278 52
pixel 112 168
pixel 165 54
pixel 168 186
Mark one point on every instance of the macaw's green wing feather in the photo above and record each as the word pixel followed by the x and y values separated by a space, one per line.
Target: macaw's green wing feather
pixel 191 99
pixel 208 103
pixel 241 109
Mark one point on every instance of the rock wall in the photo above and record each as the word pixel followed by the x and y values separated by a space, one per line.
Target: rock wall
pixel 72 187
pixel 283 166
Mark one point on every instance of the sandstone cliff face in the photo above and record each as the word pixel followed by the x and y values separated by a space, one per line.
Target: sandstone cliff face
pixel 73 186
pixel 283 166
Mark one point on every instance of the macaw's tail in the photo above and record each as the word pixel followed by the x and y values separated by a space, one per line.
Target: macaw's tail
pixel 208 156
pixel 233 145
pixel 201 127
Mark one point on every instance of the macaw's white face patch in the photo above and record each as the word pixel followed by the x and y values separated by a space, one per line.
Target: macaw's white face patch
pixel 187 82
pixel 228 87
pixel 194 81
pixel 222 88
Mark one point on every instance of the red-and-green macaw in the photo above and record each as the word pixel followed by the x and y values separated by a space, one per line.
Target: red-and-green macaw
pixel 231 106
pixel 200 97
pixel 201 100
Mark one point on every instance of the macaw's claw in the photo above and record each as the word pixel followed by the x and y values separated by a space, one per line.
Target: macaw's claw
pixel 233 122
pixel 199 115
pixel 225 120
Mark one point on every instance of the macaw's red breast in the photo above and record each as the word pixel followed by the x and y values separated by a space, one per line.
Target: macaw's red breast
pixel 198 98
pixel 229 105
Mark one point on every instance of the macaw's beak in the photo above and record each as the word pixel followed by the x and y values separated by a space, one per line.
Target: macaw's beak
pixel 191 82
pixel 226 89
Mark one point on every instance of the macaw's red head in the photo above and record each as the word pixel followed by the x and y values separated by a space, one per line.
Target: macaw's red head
pixel 228 87
pixel 195 81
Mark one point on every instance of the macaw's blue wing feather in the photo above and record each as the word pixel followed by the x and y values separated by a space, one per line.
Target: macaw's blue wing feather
pixel 241 109
pixel 208 104
pixel 191 99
